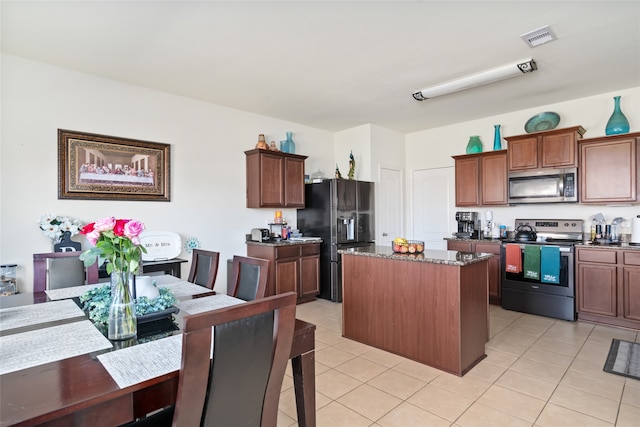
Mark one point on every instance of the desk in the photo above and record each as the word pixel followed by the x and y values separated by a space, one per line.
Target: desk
pixel 79 390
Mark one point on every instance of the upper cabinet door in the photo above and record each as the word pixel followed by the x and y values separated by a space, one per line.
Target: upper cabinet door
pixel 493 179
pixel 549 149
pixel 481 179
pixel 609 169
pixel 467 185
pixel 558 151
pixel 293 182
pixel 523 154
pixel 274 179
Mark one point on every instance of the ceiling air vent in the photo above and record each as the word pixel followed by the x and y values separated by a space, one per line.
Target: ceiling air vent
pixel 540 36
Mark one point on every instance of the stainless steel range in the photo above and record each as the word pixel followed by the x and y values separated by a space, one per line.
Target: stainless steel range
pixel 520 292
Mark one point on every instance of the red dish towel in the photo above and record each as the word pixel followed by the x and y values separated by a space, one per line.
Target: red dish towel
pixel 514 258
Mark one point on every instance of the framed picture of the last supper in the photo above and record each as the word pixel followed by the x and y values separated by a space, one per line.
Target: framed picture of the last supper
pixel 102 167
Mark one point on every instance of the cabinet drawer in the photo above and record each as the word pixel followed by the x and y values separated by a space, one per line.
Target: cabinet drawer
pixel 601 256
pixel 287 251
pixel 631 257
pixel 490 248
pixel 310 249
pixel 460 246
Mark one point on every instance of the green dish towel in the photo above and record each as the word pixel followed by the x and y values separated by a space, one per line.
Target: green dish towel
pixel 532 262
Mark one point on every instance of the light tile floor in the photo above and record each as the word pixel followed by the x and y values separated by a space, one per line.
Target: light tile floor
pixel 538 372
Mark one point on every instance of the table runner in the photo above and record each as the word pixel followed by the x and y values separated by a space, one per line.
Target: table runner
pixel 72 291
pixel 27 315
pixel 184 288
pixel 33 348
pixel 143 362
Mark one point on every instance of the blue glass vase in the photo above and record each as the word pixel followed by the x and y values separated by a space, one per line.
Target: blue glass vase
pixel 497 141
pixel 474 145
pixel 291 146
pixel 618 122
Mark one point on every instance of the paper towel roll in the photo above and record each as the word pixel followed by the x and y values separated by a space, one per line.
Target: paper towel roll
pixel 635 229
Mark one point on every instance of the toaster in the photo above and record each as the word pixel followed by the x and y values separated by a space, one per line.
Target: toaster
pixel 260 234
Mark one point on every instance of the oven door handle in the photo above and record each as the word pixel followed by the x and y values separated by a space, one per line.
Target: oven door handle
pixel 562 248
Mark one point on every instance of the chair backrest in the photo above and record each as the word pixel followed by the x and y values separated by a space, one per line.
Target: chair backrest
pixel 54 270
pixel 250 277
pixel 240 384
pixel 204 268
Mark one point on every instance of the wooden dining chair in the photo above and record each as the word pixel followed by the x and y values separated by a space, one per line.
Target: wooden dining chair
pixel 55 270
pixel 204 268
pixel 240 384
pixel 249 278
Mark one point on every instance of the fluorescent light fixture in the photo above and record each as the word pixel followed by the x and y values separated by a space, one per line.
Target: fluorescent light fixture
pixel 479 79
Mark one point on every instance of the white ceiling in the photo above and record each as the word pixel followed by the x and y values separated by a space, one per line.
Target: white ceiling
pixel 336 65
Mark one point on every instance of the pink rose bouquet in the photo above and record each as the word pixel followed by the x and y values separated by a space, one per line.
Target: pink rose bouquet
pixel 115 240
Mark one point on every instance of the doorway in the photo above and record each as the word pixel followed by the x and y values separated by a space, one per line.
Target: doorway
pixel 433 216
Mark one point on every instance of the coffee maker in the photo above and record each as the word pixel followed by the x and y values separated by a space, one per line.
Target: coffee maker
pixel 468 225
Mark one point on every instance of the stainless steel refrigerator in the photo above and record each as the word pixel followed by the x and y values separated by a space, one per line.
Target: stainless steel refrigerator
pixel 342 213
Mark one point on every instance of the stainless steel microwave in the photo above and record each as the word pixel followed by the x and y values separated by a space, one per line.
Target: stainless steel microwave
pixel 543 186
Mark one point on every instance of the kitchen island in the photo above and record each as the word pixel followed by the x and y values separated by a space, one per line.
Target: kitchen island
pixel 430 307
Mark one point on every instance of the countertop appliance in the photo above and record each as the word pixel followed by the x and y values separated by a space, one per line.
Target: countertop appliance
pixel 260 234
pixel 468 225
pixel 341 212
pixel 534 296
pixel 544 186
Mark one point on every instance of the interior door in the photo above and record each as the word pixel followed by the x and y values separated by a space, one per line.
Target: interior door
pixel 433 211
pixel 389 209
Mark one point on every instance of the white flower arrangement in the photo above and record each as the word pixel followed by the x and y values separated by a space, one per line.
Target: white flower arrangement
pixel 54 226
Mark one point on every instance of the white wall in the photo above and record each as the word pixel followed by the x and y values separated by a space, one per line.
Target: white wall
pixel 207 159
pixel 208 163
pixel 433 149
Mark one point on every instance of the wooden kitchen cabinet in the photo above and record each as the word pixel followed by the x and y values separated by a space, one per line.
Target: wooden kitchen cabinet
pixel 481 179
pixel 549 149
pixel 295 268
pixel 274 179
pixel 495 276
pixel 608 286
pixel 609 169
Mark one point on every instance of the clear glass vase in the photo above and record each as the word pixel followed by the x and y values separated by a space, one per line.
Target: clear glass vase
pixel 618 122
pixel 122 311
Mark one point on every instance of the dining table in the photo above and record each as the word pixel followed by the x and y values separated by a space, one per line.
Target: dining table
pixel 58 369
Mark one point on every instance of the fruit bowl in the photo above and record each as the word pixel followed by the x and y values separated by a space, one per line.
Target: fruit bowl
pixel 410 247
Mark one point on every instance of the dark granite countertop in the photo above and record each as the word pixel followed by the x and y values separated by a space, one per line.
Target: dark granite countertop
pixel 483 240
pixel 283 242
pixel 429 256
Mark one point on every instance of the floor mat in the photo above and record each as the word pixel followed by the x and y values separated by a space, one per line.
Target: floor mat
pixel 623 359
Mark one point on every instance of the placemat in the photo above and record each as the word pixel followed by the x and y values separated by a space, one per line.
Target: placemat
pixel 213 302
pixel 27 315
pixel 133 365
pixel 623 359
pixel 184 288
pixel 72 291
pixel 143 362
pixel 33 348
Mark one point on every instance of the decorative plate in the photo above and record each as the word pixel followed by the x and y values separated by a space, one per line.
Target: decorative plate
pixel 160 245
pixel 541 122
